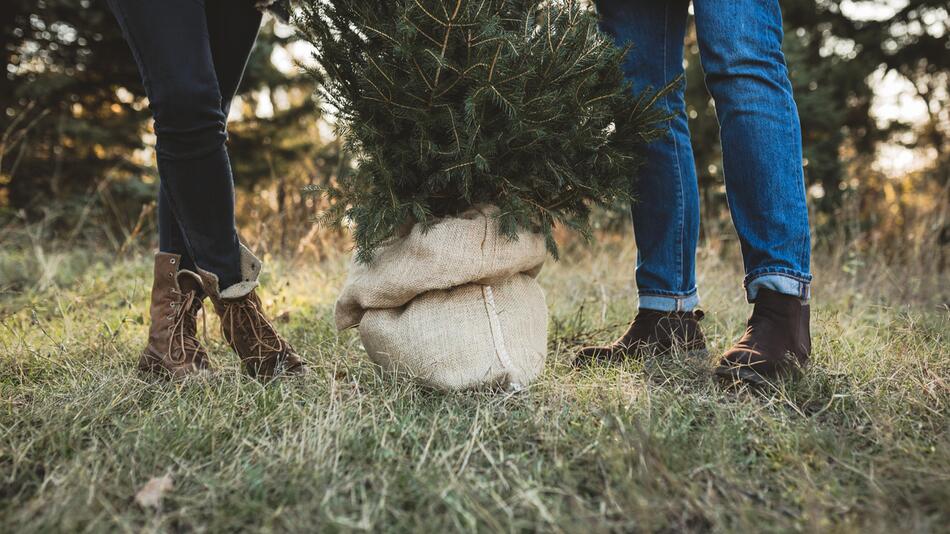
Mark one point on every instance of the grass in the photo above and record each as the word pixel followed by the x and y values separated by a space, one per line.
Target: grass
pixel 862 443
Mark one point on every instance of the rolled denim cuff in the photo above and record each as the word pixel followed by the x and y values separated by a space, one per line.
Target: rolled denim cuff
pixel 669 302
pixel 786 283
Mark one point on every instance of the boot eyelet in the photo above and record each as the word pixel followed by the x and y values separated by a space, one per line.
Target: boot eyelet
pixel 172 261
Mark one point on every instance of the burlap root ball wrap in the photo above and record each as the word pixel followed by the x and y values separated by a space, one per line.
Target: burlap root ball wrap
pixel 456 306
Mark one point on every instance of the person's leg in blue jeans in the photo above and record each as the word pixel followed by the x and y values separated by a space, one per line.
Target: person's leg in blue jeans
pixel 666 212
pixel 740 43
pixel 740 47
pixel 191 55
pixel 666 209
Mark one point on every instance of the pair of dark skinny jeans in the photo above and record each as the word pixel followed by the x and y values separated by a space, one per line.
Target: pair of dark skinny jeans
pixel 191 55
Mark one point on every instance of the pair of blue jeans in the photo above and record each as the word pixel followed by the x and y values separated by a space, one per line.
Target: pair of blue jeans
pixel 740 44
pixel 191 55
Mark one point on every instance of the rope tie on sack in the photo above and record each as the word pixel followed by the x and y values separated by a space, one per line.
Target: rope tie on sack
pixel 498 338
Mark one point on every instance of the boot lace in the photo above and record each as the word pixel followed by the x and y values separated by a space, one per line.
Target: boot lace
pixel 184 343
pixel 245 315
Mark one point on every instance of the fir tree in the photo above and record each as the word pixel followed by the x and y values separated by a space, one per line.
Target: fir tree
pixel 448 104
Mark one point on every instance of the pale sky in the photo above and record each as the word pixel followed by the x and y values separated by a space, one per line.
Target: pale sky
pixel 872 10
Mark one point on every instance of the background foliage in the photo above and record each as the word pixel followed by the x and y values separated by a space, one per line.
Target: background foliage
pixel 76 142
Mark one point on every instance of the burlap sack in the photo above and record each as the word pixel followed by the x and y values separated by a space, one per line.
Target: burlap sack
pixel 456 306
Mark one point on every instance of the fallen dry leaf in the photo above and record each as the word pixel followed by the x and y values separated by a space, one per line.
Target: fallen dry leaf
pixel 150 496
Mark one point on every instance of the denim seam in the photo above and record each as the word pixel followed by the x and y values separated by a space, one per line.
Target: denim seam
pixel 803 289
pixel 783 74
pixel 798 277
pixel 806 234
pixel 667 294
pixel 679 171
pixel 803 247
pixel 802 197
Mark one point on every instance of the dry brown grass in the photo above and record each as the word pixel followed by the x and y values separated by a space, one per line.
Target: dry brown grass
pixel 860 444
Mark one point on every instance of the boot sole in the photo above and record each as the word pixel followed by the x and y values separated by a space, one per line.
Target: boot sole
pixel 265 373
pixel 582 361
pixel 740 374
pixel 753 378
pixel 150 365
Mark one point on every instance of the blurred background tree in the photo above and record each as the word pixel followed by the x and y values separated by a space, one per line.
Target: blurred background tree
pixel 77 144
pixel 870 79
pixel 857 68
pixel 65 124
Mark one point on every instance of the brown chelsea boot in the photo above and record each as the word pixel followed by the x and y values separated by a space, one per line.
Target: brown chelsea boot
pixel 651 333
pixel 776 342
pixel 173 348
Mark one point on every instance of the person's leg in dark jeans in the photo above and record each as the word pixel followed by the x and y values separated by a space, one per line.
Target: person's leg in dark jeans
pixel 232 30
pixel 191 55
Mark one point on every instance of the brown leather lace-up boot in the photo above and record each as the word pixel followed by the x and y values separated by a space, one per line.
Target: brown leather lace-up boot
pixel 263 351
pixel 777 340
pixel 651 333
pixel 173 347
